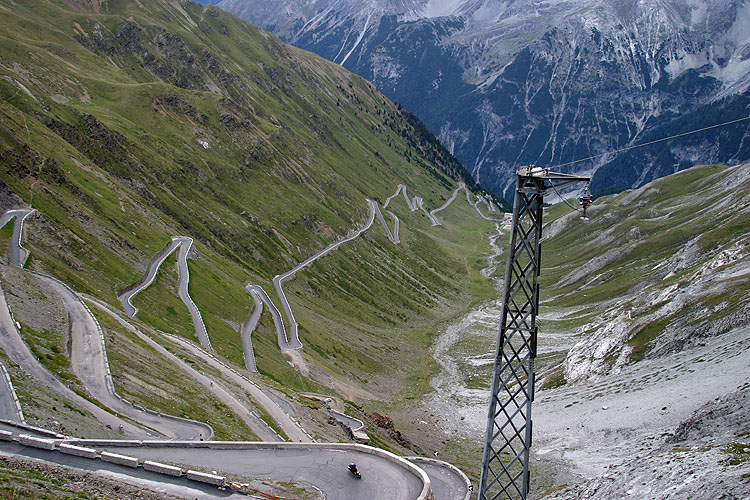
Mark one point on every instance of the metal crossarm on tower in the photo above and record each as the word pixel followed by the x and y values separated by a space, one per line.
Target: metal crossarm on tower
pixel 505 464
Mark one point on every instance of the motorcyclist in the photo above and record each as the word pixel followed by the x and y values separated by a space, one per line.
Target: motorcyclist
pixel 353 467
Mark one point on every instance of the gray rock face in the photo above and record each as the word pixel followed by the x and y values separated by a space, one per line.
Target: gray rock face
pixel 705 451
pixel 505 83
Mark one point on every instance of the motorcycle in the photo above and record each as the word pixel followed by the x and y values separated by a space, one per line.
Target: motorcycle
pixel 355 472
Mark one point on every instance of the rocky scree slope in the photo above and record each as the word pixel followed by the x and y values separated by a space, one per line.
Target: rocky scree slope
pixel 643 351
pixel 650 397
pixel 126 123
pixel 509 83
pixel 655 271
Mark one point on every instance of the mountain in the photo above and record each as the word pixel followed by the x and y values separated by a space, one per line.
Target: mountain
pixel 664 267
pixel 509 83
pixel 126 124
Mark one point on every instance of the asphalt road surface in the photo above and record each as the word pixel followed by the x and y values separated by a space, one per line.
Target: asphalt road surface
pixel 15 251
pixel 248 327
pixel 18 352
pixel 353 423
pixel 148 278
pixel 411 203
pixel 324 469
pixel 182 291
pixel 88 357
pixel 178 486
pixel 184 244
pixel 9 410
pixel 293 431
pixel 251 419
pixel 88 361
pixel 289 338
pixel 447 484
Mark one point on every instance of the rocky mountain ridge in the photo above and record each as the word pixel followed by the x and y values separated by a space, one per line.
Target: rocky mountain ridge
pixel 507 83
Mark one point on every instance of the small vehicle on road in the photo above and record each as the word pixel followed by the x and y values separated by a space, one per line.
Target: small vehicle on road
pixel 353 469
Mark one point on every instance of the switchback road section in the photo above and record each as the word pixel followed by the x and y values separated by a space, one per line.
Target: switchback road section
pixel 88 360
pixel 184 244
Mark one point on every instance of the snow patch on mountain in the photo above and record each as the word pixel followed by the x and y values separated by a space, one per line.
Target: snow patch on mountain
pixel 441 8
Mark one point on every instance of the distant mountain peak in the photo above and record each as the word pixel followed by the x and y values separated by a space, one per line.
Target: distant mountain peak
pixel 508 82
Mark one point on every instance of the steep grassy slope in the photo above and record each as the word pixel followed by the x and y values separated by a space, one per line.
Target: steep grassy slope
pixel 127 125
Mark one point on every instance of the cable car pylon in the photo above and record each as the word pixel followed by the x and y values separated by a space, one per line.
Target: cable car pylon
pixel 505 463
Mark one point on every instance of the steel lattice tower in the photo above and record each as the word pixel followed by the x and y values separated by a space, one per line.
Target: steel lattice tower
pixel 505 464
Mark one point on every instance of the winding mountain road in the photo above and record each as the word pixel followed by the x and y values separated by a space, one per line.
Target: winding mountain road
pixel 15 250
pixel 248 327
pixel 447 482
pixel 10 409
pixel 321 467
pixel 392 236
pixel 289 338
pixel 17 351
pixel 261 297
pixel 318 466
pixel 184 244
pixel 88 361
pixel 250 418
pixel 88 358
pixel 290 427
pixel 450 200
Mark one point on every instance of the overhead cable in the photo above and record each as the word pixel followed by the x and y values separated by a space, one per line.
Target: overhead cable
pixel 628 148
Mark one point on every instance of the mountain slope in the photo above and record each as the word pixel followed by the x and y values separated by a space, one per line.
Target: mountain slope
pixel 644 343
pixel 652 297
pixel 509 83
pixel 127 123
pixel 674 270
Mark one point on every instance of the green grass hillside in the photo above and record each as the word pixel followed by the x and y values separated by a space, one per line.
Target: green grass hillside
pixel 127 122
